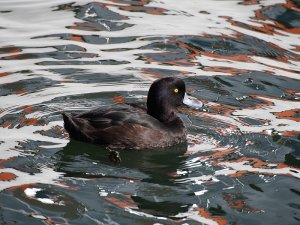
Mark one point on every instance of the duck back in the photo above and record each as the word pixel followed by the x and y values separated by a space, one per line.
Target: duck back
pixel 124 127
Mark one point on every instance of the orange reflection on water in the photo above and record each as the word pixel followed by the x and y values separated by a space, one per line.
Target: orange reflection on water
pixel 126 202
pixel 7 176
pixel 238 202
pixel 289 114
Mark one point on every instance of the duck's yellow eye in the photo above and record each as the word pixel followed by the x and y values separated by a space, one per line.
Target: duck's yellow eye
pixel 176 90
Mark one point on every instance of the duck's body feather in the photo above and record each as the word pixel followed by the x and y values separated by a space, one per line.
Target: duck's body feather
pixel 124 127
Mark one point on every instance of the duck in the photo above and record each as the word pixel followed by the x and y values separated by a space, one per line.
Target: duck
pixel 131 127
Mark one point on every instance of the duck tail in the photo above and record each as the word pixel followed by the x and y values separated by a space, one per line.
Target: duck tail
pixel 69 123
pixel 76 127
pixel 65 116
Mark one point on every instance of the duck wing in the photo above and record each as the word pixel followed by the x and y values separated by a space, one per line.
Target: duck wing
pixel 106 126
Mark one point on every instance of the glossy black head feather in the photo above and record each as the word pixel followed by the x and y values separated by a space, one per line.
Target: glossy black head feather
pixel 164 96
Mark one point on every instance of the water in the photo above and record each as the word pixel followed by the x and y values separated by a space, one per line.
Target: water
pixel 242 161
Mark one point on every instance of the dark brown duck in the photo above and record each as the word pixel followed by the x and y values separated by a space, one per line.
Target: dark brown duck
pixel 129 127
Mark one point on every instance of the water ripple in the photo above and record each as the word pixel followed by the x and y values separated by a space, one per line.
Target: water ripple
pixel 241 163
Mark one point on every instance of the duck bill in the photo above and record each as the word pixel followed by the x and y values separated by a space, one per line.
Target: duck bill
pixel 192 102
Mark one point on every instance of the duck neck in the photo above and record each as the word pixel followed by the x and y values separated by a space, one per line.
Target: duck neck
pixel 162 111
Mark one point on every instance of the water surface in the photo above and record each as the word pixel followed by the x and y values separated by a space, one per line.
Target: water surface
pixel 241 164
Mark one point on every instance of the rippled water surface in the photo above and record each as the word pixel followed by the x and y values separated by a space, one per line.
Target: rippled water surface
pixel 242 161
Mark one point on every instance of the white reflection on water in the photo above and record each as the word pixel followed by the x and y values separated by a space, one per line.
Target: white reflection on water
pixel 45 176
pixel 264 113
pixel 30 20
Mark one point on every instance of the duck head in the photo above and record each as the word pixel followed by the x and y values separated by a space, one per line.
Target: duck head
pixel 165 95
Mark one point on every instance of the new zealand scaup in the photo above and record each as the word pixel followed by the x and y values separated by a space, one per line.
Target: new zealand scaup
pixel 130 127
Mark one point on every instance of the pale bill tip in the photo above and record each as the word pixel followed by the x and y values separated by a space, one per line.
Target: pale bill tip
pixel 192 102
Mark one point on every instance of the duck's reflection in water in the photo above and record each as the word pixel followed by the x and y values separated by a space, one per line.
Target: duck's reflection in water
pixel 154 191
